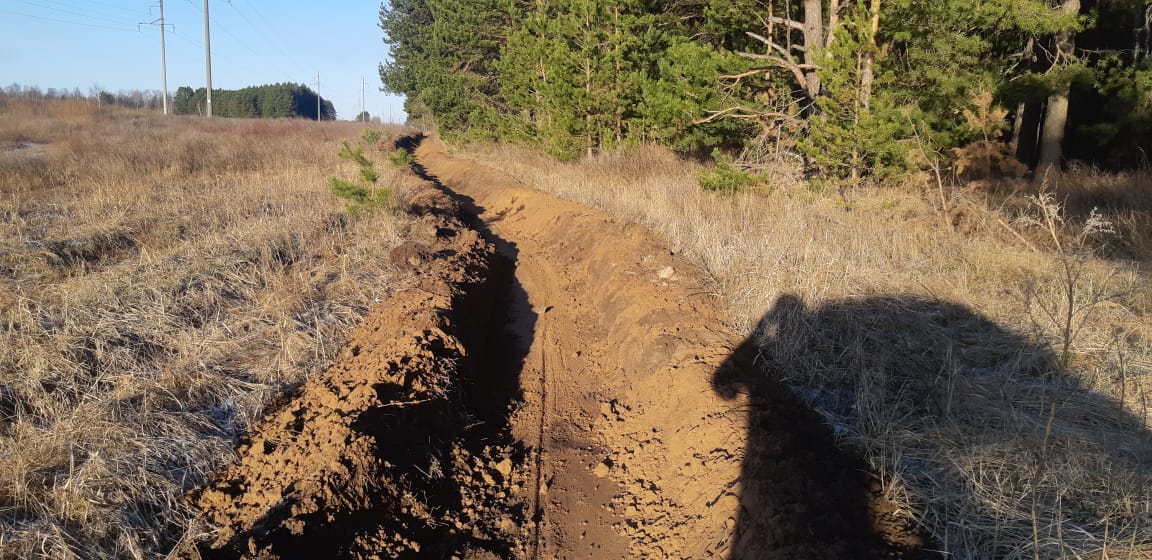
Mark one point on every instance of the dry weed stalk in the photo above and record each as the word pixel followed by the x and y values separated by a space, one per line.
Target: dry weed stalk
pixel 1071 312
pixel 161 282
pixel 978 431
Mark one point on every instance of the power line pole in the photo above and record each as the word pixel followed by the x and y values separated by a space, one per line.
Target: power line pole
pixel 363 84
pixel 163 56
pixel 163 59
pixel 208 59
pixel 317 97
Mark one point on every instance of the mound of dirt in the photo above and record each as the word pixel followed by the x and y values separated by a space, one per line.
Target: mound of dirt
pixel 556 384
pixel 383 455
pixel 660 436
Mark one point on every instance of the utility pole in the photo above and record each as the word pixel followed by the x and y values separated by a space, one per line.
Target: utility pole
pixel 363 84
pixel 208 58
pixel 163 57
pixel 317 97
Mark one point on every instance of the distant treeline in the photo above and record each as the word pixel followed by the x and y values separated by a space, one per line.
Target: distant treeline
pixel 133 99
pixel 268 102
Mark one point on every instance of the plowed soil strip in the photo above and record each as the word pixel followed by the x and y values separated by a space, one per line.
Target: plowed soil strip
pixel 663 438
pixel 402 448
pixel 556 386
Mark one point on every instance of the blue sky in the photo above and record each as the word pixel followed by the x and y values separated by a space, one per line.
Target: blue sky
pixel 71 43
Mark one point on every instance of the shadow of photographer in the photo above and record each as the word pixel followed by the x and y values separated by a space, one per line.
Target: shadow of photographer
pixel 999 453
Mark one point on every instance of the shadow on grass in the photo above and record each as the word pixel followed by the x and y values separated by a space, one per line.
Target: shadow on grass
pixel 1000 454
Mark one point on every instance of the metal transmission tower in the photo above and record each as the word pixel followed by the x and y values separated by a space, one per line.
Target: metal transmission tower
pixel 208 59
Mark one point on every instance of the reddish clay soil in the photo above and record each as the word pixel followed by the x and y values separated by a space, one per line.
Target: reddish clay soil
pixel 556 385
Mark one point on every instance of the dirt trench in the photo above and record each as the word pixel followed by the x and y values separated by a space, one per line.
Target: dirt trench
pixel 557 385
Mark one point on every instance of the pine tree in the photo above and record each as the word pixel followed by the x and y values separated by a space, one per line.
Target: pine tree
pixel 570 69
pixel 682 105
pixel 184 103
pixel 441 52
pixel 844 83
pixel 855 130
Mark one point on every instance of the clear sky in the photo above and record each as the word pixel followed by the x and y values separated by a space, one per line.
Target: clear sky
pixel 72 43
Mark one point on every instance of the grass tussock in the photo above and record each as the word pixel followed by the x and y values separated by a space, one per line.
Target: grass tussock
pixel 994 369
pixel 162 281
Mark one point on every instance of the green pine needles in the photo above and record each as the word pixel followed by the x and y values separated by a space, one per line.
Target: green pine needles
pixel 845 88
pixel 401 158
pixel 361 195
pixel 726 177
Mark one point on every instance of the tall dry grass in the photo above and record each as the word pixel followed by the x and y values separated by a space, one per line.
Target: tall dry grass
pixel 932 340
pixel 1124 198
pixel 162 281
pixel 23 111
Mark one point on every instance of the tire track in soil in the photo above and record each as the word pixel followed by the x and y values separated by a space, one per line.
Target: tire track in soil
pixel 556 385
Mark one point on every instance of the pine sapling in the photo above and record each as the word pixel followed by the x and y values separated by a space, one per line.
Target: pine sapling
pixel 362 194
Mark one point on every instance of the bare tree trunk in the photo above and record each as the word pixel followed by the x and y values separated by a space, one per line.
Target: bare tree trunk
pixel 1017 127
pixel 1029 115
pixel 589 142
pixel 1021 108
pixel 1052 135
pixel 813 49
pixel 1141 34
pixel 868 72
pixel 813 43
pixel 617 78
pixel 1031 120
pixel 1056 116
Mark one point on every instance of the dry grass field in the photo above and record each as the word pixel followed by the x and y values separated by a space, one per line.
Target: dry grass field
pixel 162 281
pixel 991 359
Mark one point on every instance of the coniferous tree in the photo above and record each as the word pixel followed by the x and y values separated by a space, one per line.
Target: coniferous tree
pixel 854 130
pixel 441 52
pixel 579 82
pixel 184 102
pixel 845 83
pixel 1110 94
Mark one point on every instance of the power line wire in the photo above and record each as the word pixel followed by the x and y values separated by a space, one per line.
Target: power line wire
pixel 251 24
pixel 190 41
pixel 271 32
pixel 220 54
pixel 59 4
pixel 275 61
pixel 270 41
pixel 69 22
pixel 217 25
pixel 113 6
pixel 75 13
pixel 289 75
pixel 265 25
